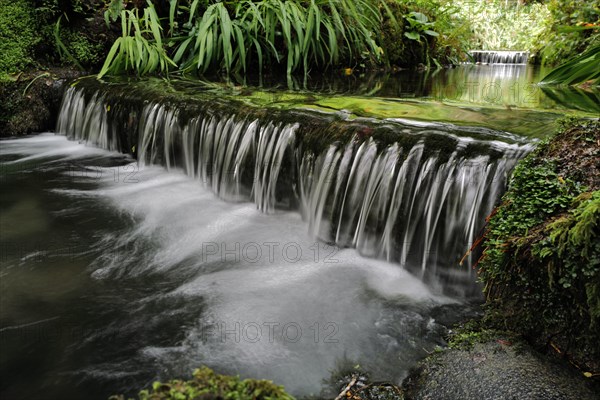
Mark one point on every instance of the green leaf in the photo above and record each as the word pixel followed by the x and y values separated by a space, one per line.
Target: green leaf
pixel 413 35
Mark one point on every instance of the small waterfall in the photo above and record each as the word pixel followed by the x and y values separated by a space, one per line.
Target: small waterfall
pixel 412 208
pixel 238 159
pixel 419 199
pixel 499 57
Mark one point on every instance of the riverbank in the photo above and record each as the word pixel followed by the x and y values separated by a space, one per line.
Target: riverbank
pixel 499 368
pixel 31 101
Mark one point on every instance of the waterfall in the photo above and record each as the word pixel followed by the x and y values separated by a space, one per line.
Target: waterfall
pixel 413 209
pixel 499 57
pixel 420 199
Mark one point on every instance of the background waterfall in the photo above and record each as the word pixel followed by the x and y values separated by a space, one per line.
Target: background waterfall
pixel 420 199
pixel 499 56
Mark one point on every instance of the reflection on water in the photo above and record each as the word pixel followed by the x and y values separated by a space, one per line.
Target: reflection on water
pixel 507 85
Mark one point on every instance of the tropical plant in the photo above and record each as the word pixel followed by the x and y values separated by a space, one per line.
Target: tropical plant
pixel 419 26
pixel 280 31
pixel 232 37
pixel 582 68
pixel 140 47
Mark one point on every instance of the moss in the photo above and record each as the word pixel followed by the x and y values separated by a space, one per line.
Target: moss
pixel 541 262
pixel 466 335
pixel 83 49
pixel 31 104
pixel 206 384
pixel 17 36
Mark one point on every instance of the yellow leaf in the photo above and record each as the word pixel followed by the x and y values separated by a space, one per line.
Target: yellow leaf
pixel 587 374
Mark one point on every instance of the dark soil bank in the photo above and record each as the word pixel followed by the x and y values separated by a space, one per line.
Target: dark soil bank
pixel 31 102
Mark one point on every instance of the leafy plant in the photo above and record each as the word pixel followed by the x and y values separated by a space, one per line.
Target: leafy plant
pixel 113 11
pixel 206 382
pixel 140 48
pixel 582 68
pixel 419 26
pixel 62 49
pixel 289 32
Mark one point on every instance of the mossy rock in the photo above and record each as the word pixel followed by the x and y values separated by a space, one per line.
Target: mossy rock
pixel 541 262
pixel 206 384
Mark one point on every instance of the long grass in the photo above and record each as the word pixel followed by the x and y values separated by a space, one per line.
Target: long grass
pixel 281 31
pixel 294 34
pixel 140 47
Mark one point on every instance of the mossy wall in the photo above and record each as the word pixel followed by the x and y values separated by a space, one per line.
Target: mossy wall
pixel 541 263
pixel 18 36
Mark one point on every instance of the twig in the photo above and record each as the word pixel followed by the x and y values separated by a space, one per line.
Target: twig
pixel 347 388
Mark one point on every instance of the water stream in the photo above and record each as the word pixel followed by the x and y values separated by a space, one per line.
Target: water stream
pixel 154 234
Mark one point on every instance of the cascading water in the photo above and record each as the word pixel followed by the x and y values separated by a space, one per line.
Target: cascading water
pixel 130 270
pixel 419 200
pixel 499 56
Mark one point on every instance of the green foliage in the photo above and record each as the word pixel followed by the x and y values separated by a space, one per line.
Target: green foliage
pixel 206 382
pixel 17 36
pixel 140 48
pixel 234 37
pixel 505 25
pixel 582 68
pixel 424 31
pixel 575 26
pixel 465 336
pixel 62 49
pixel 571 238
pixel 541 262
pixel 419 26
pixel 113 11
pixel 84 50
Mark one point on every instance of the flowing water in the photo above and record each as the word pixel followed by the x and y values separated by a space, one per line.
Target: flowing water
pixel 236 239
pixel 499 57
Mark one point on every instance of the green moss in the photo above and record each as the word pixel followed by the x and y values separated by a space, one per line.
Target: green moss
pixel 17 36
pixel 206 382
pixel 82 49
pixel 467 335
pixel 541 262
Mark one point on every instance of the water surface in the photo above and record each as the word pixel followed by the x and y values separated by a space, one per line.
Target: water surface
pixel 113 276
